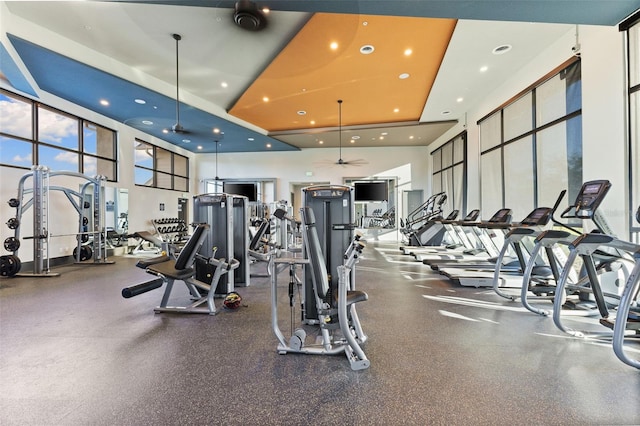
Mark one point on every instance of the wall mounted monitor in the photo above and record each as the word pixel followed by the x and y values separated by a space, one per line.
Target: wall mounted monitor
pixel 248 190
pixel 371 191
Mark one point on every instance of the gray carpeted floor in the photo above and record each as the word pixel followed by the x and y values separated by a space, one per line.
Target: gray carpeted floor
pixel 73 351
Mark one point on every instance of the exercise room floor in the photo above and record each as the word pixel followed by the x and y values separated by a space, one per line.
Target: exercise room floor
pixel 74 352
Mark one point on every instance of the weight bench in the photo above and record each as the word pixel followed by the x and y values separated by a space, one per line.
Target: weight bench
pixel 182 269
pixel 147 236
pixel 340 329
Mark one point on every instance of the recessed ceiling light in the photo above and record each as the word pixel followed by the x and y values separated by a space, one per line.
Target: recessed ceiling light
pixel 411 137
pixel 408 52
pixel 381 138
pixel 499 50
pixel 352 141
pixel 224 84
pixel 396 110
pixel 403 76
pixel 250 139
pixel 384 133
pixel 104 102
pixel 367 49
pixel 147 122
pixel 216 130
pixel 365 23
pixel 140 101
pixel 484 68
pixel 165 131
pixel 265 10
pixel 320 142
pixel 355 137
pixel 265 99
pixel 333 45
pixel 268 145
pixel 313 122
pixel 186 140
pixel 301 112
pixel 199 146
pixel 445 112
pixel 155 107
pixel 459 99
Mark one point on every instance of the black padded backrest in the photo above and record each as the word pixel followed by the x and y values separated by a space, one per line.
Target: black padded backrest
pixel 452 215
pixel 255 241
pixel 314 252
pixel 188 252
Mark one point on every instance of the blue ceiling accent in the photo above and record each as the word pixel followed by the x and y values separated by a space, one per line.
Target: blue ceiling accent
pixel 12 73
pixel 86 86
pixel 588 12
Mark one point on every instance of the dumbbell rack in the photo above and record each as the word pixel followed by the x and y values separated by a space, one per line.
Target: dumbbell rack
pixel 171 230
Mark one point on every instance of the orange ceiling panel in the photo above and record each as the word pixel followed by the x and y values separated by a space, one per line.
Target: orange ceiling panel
pixel 300 88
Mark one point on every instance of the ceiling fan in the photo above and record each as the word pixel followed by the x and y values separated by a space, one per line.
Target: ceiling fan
pixel 177 127
pixel 340 161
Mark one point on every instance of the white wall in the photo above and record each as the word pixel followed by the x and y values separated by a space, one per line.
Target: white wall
pixel 603 116
pixel 408 164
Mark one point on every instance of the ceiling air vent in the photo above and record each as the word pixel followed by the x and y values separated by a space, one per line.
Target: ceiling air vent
pixel 248 16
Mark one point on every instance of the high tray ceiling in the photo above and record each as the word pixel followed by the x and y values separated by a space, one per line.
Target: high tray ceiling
pixel 121 52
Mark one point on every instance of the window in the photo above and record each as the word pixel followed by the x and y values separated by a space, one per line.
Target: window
pixel 633 46
pixel 32 133
pixel 531 149
pixel 158 168
pixel 449 173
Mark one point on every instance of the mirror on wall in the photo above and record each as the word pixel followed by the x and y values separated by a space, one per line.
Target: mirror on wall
pixel 117 213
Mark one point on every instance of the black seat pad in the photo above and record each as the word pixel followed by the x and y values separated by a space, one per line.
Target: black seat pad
pixel 168 270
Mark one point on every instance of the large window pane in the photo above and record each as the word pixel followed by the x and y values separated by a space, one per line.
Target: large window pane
pixel 180 165
pixel 164 180
pixel 144 155
pixel 458 150
pixel 58 159
pixel 551 101
pixel 16 152
pixel 163 160
pixel 491 183
pixel 57 129
pixel 447 155
pixel 490 133
pixel 518 177
pixel 458 187
pixel 518 118
pixel 143 176
pixel 437 160
pixel 97 166
pixel 553 169
pixel 181 184
pixel 16 118
pixel 98 140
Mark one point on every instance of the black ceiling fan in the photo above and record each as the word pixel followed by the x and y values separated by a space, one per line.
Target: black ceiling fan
pixel 340 161
pixel 177 127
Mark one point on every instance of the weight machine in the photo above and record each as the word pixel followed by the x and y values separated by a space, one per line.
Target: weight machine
pixel 338 324
pixel 91 235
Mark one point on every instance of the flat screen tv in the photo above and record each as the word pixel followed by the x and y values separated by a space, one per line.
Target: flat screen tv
pixel 248 190
pixel 371 191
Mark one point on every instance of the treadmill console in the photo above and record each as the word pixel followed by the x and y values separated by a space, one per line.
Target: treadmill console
pixel 538 217
pixel 501 216
pixel 589 198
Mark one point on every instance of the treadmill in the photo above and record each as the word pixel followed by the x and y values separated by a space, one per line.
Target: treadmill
pixel 483 243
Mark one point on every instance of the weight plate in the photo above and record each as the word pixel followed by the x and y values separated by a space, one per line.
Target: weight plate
pixel 13 223
pixel 11 244
pixel 9 265
pixel 14 202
